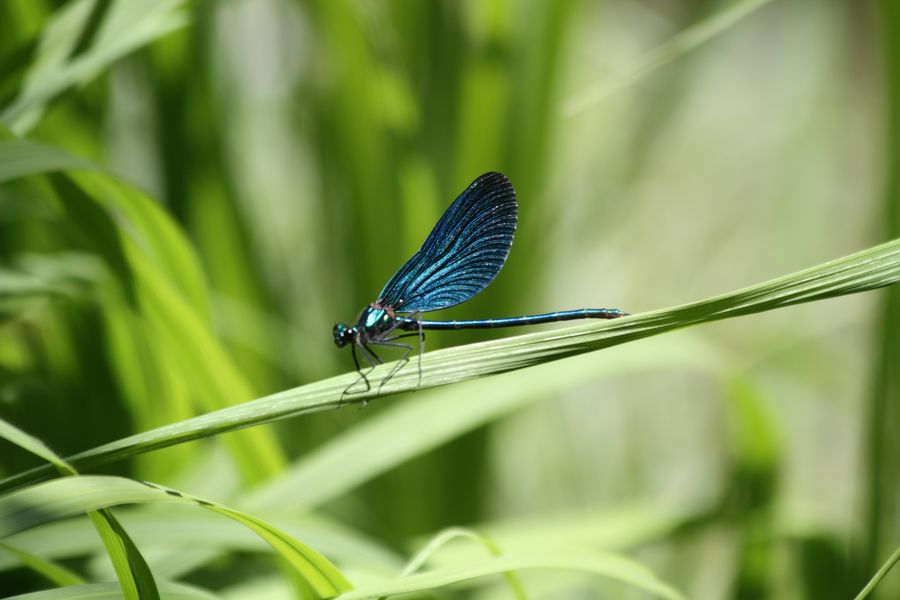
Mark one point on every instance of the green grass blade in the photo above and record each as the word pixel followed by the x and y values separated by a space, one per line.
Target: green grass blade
pixel 597 563
pixel 110 591
pixel 412 428
pixel 880 442
pixel 30 443
pixel 135 578
pixel 70 496
pixel 625 527
pixel 56 573
pixel 876 579
pixel 152 228
pixel 40 278
pixel 20 158
pixel 134 575
pixel 870 269
pixel 315 569
pixel 201 360
pixel 128 26
pixel 429 420
pixel 686 41
pixel 190 534
pixel 153 257
pixel 445 537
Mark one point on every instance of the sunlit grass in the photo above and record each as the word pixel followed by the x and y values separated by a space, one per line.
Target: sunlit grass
pixel 291 155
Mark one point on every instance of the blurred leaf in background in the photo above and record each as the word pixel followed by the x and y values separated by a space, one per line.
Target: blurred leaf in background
pixel 192 193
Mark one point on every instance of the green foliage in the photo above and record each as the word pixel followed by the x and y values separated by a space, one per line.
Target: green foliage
pixel 191 193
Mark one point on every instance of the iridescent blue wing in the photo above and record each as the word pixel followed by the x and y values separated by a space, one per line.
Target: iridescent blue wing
pixel 462 254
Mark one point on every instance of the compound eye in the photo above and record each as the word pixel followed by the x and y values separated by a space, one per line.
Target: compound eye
pixel 341 334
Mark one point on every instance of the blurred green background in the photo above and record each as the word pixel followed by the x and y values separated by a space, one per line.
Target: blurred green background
pixel 305 149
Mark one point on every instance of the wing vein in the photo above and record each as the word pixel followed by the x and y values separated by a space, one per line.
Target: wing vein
pixel 463 253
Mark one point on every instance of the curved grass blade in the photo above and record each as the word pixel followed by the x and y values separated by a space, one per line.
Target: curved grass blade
pixel 37 279
pixel 28 442
pixel 448 535
pixel 70 496
pixel 618 529
pixel 20 158
pixel 413 427
pixel 196 538
pixel 165 276
pixel 588 561
pixel 870 269
pixel 131 568
pixel 56 573
pixel 110 591
pixel 135 578
pixel 153 230
pixel 126 27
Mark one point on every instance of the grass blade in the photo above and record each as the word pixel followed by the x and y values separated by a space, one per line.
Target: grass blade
pixel 412 428
pixel 110 591
pixel 56 573
pixel 135 578
pixel 881 446
pixel 195 538
pixel 870 269
pixel 156 261
pixel 45 502
pixel 131 568
pixel 127 26
pixel 885 568
pixel 684 42
pixel 445 537
pixel 598 563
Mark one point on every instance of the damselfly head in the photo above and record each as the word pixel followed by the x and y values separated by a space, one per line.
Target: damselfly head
pixel 343 335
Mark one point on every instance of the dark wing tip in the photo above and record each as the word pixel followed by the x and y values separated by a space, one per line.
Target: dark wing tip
pixel 491 177
pixel 492 181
